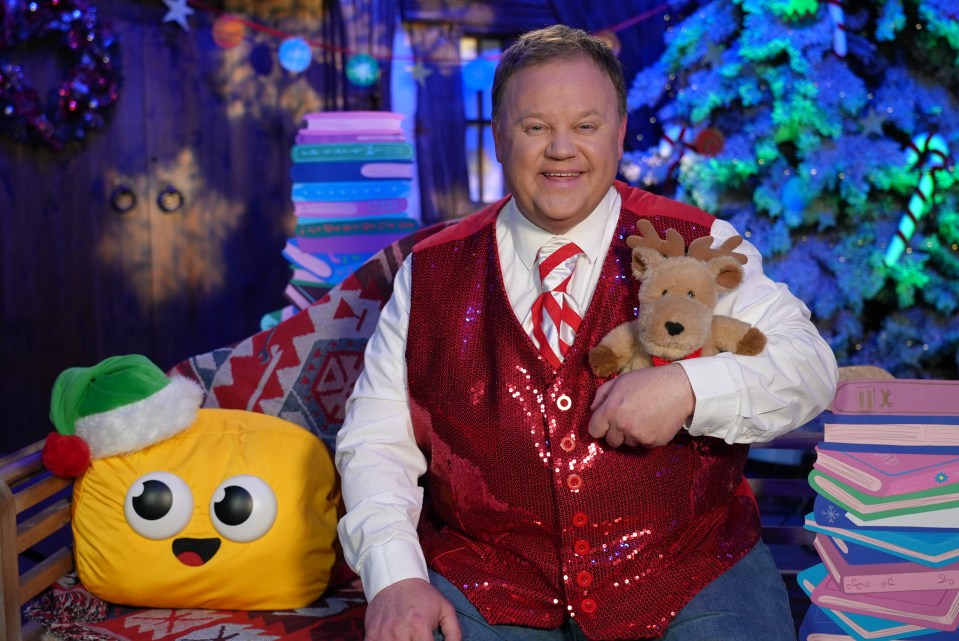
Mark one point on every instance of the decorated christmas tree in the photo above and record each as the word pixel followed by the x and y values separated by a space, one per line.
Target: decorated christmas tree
pixel 827 132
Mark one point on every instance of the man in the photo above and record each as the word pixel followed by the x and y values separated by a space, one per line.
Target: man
pixel 559 506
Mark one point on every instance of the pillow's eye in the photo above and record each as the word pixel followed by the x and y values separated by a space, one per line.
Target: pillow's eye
pixel 691 294
pixel 665 292
pixel 243 508
pixel 158 505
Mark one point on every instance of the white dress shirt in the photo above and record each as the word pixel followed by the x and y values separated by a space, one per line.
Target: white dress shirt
pixel 741 400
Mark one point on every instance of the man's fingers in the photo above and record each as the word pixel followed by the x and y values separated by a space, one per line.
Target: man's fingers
pixel 601 393
pixel 450 625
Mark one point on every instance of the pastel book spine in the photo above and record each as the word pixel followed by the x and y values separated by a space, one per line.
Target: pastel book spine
pixel 882 577
pixel 929 547
pixel 306 137
pixel 338 121
pixel 861 627
pixel 351 190
pixel 353 236
pixel 897 396
pixel 888 473
pixel 880 447
pixel 821 624
pixel 340 152
pixel 325 267
pixel 348 171
pixel 885 429
pixel 928 520
pixel 358 208
pixel 937 609
pixel 869 507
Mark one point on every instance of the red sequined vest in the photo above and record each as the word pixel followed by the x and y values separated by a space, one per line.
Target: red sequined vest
pixel 525 512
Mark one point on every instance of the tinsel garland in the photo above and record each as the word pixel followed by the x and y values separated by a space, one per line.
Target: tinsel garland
pixel 91 81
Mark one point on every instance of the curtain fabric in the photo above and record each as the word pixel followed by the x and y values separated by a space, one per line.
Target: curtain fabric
pixel 369 26
pixel 440 123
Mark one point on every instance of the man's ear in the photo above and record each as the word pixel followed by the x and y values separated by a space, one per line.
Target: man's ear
pixel 621 133
pixel 496 140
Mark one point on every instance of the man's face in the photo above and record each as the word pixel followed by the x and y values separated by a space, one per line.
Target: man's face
pixel 559 137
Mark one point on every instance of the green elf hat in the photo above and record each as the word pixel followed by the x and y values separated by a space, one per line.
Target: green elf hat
pixel 122 404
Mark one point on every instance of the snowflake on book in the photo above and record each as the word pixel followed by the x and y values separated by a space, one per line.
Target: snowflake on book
pixel 831 514
pixel 942 477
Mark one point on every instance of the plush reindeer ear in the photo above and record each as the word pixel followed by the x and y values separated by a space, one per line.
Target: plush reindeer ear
pixel 645 259
pixel 727 272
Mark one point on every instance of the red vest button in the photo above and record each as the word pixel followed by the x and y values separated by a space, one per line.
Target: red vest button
pixel 568 444
pixel 564 402
pixel 574 481
pixel 588 606
pixel 584 579
pixel 581 547
pixel 580 519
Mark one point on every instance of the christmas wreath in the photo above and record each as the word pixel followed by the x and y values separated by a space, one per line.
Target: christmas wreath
pixel 91 80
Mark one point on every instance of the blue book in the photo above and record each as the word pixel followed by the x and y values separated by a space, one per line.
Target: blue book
pixel 353 190
pixel 892 449
pixel 822 621
pixel 860 627
pixel 339 171
pixel 934 548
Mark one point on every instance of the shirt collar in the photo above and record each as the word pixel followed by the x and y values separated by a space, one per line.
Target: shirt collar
pixel 528 238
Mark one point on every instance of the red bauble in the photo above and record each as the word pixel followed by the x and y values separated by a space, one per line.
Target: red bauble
pixel 709 142
pixel 65 456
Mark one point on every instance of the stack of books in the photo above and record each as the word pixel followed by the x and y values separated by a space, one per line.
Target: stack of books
pixel 352 173
pixel 886 514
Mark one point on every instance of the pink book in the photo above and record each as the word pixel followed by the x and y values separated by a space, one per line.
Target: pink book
pixel 915 397
pixel 937 609
pixel 890 472
pixel 881 577
pixel 355 208
pixel 346 121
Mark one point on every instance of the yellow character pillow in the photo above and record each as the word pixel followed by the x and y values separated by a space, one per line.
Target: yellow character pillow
pixel 180 507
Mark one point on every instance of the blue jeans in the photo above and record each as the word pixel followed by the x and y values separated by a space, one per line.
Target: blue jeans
pixel 746 603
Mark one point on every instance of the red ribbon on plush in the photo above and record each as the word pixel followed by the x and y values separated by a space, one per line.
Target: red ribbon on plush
pixel 659 360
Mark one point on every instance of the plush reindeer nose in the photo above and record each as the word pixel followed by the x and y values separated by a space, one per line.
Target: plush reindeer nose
pixel 674 328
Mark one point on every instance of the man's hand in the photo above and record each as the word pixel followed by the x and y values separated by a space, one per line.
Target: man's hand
pixel 410 610
pixel 644 407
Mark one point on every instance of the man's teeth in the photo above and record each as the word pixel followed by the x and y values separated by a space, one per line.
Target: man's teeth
pixel 568 174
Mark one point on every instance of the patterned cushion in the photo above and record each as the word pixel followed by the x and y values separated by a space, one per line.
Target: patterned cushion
pixel 304 368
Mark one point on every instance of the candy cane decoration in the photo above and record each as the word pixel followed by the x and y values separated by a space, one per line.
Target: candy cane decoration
pixel 839 28
pixel 675 137
pixel 931 154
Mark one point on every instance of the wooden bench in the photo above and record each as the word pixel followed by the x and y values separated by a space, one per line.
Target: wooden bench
pixel 35 542
pixel 34 536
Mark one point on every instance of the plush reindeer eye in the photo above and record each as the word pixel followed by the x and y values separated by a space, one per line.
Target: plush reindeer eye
pixel 691 294
pixel 665 292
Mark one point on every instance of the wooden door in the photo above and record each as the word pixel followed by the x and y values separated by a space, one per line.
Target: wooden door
pixel 80 281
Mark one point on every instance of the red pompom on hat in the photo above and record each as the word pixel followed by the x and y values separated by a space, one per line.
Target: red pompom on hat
pixel 67 456
pixel 119 405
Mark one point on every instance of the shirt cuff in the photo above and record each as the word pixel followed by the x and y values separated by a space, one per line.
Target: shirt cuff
pixel 718 397
pixel 389 563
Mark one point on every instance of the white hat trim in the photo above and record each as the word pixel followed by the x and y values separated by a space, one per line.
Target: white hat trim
pixel 136 425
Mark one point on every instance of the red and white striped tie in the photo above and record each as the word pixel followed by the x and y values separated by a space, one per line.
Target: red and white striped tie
pixel 556 315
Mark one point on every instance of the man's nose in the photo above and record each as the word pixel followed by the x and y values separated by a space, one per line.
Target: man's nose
pixel 561 145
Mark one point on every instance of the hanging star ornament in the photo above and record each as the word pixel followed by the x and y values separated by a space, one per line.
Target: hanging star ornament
pixel 871 123
pixel 420 72
pixel 178 11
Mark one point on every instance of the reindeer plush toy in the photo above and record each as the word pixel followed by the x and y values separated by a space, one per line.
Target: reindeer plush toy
pixel 677 296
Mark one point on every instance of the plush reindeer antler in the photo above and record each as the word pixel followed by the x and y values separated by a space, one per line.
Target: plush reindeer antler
pixel 672 245
pixel 700 249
